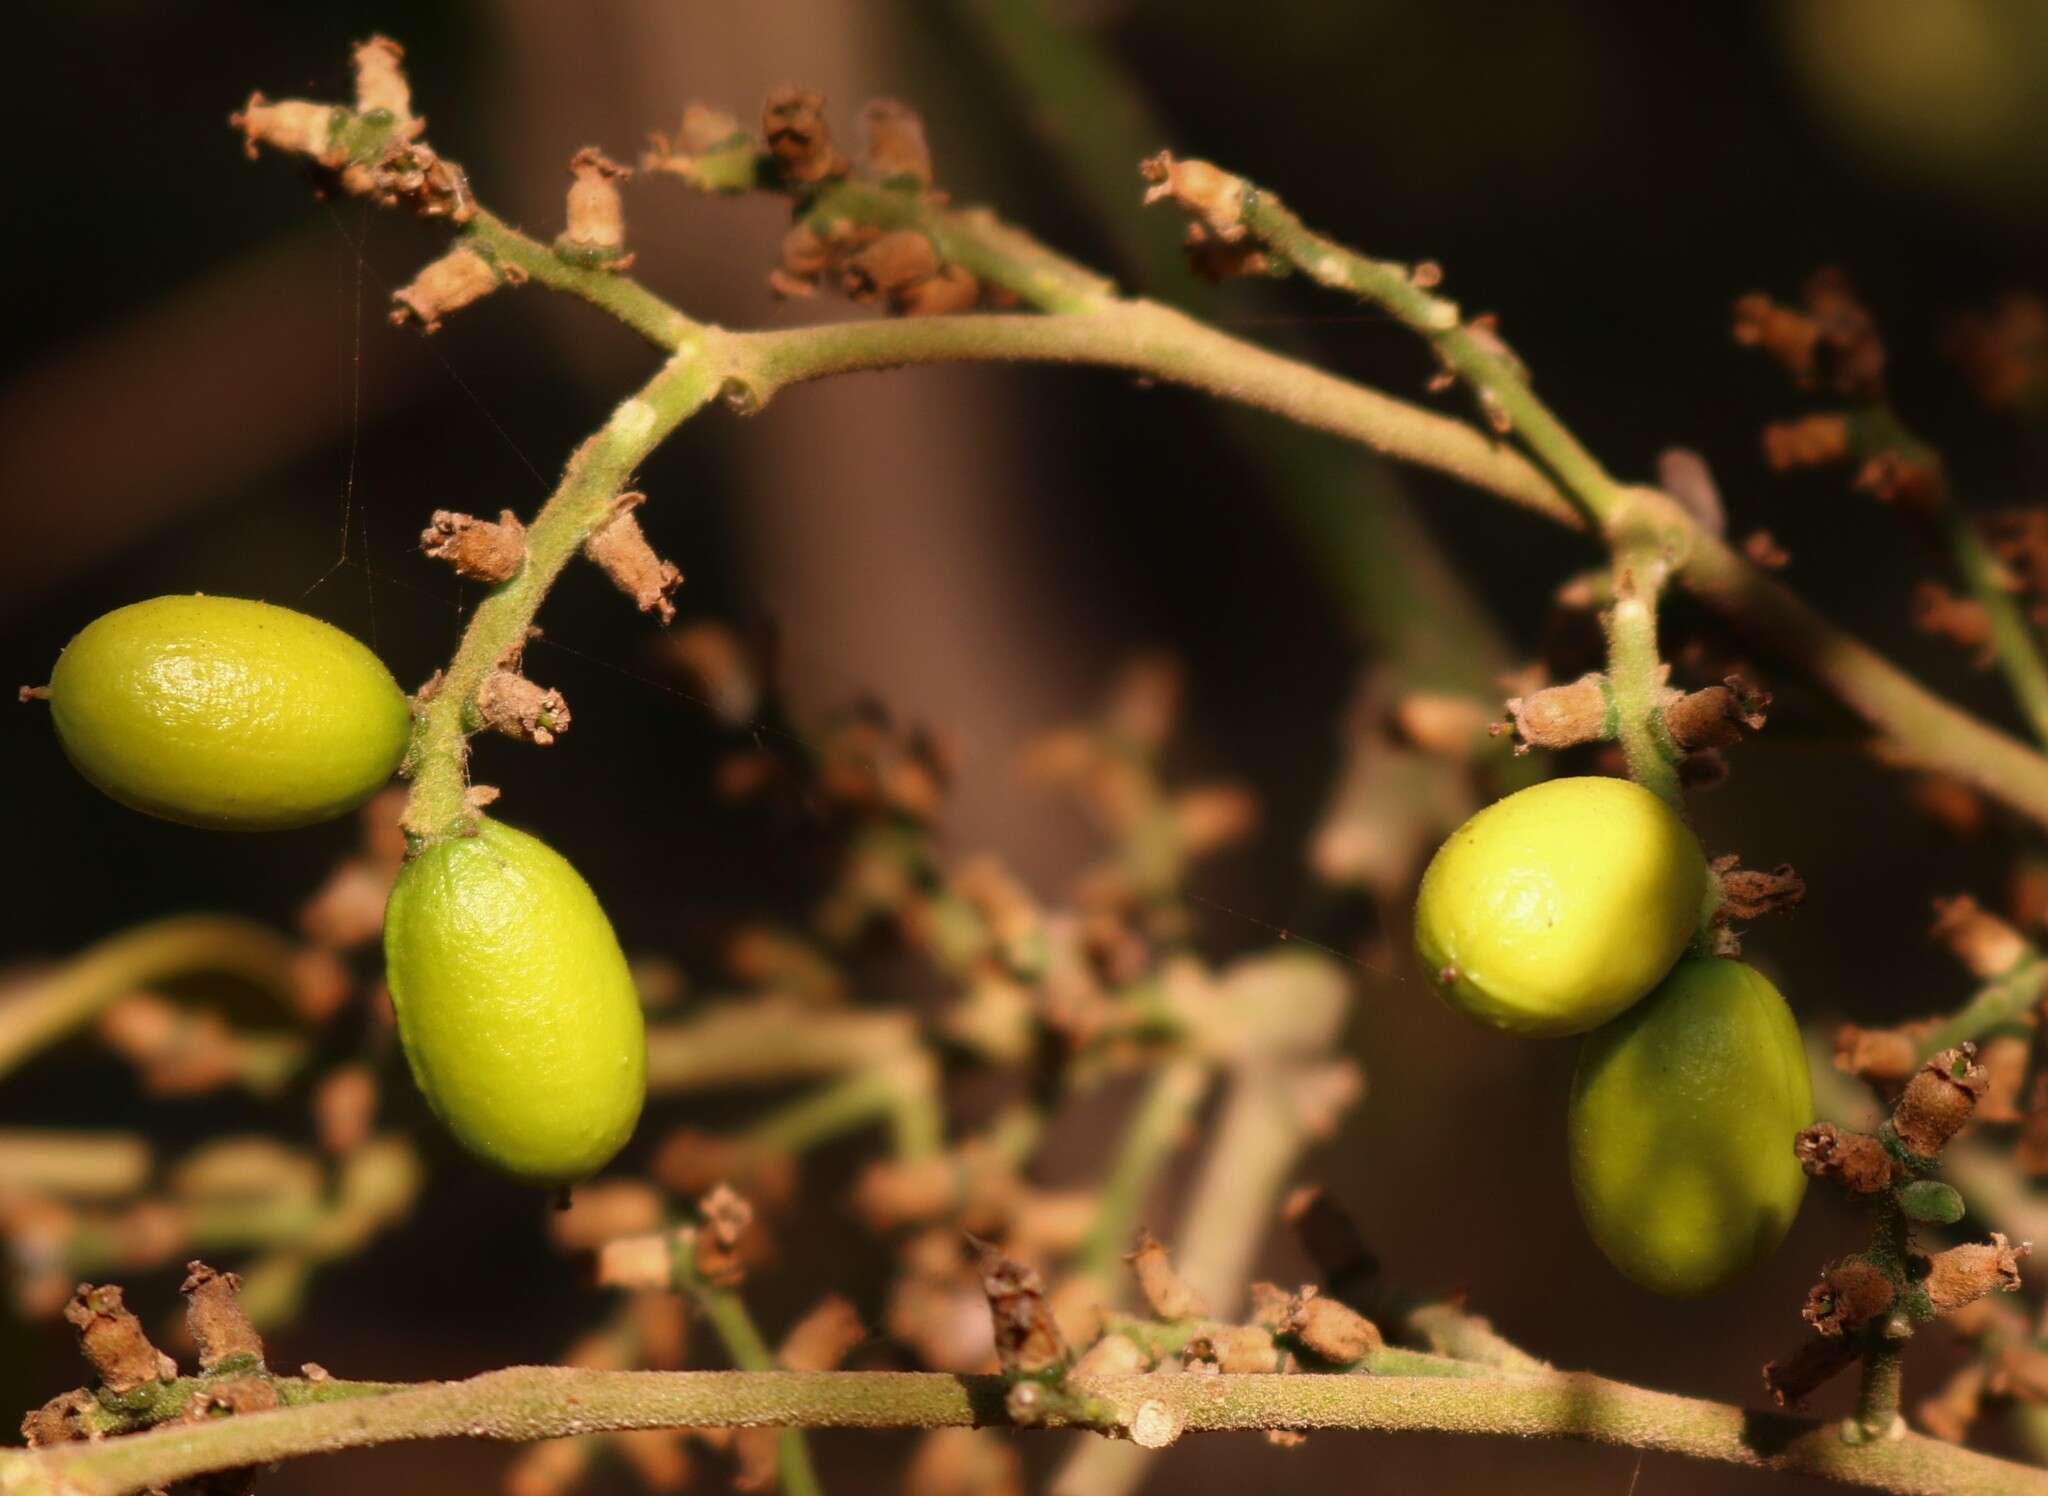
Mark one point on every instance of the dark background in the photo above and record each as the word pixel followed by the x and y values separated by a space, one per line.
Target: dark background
pixel 200 393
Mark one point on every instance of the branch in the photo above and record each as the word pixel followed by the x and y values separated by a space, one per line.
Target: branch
pixel 1916 728
pixel 526 1403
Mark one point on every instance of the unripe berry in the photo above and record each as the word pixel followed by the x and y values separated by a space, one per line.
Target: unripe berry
pixel 515 1004
pixel 1552 910
pixel 1683 1118
pixel 227 714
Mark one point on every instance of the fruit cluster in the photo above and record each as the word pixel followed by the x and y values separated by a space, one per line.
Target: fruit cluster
pixel 514 1002
pixel 1569 908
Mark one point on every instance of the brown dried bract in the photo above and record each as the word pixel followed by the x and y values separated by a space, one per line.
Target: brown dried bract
pixel 1911 482
pixel 1792 1380
pixel 723 1247
pixel 894 146
pixel 113 1341
pixel 952 289
pixel 621 550
pixel 1562 716
pixel 596 211
pixel 298 126
pixel 1861 1163
pixel 61 1420
pixel 1330 1329
pixel 1716 716
pixel 793 124
pixel 1169 1294
pixel 1442 723
pixel 1939 1100
pixel 1851 1293
pixel 214 1315
pixel 1747 893
pixel 345 1108
pixel 1213 195
pixel 509 703
pixel 457 279
pixel 1786 335
pixel 1962 621
pixel 1986 944
pixel 380 79
pixel 1964 1274
pixel 2003 356
pixel 1762 549
pixel 1880 1054
pixel 2004 1057
pixel 478 549
pixel 1027 1338
pixel 1810 441
pixel 1216 259
pixel 888 266
pixel 179 1051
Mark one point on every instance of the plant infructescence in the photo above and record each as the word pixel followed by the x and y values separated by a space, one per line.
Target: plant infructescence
pixel 1110 987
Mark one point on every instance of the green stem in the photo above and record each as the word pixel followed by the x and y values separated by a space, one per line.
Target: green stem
pixel 1480 360
pixel 764 1043
pixel 894 1092
pixel 2012 637
pixel 1877 1393
pixel 726 1312
pixel 43 1008
pixel 1998 1003
pixel 531 1402
pixel 1150 1137
pixel 620 295
pixel 1635 670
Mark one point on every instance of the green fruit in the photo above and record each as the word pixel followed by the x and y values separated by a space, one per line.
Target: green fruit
pixel 515 1005
pixel 233 715
pixel 1683 1114
pixel 1554 909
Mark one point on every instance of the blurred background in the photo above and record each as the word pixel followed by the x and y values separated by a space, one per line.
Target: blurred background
pixel 199 392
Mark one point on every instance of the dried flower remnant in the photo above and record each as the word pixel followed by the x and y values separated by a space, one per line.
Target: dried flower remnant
pixel 1939 1100
pixel 479 550
pixel 1748 893
pixel 447 285
pixel 793 124
pixel 895 149
pixel 621 551
pixel 1861 1163
pixel 1961 621
pixel 1808 442
pixel 509 703
pixel 1851 1294
pixel 1963 1274
pixel 113 1340
pixel 2003 354
pixel 217 1321
pixel 1985 943
pixel 1027 1337
pixel 596 231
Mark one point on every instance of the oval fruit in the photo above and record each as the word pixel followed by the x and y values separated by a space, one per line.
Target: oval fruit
pixel 1554 909
pixel 518 1013
pixel 1683 1114
pixel 227 714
